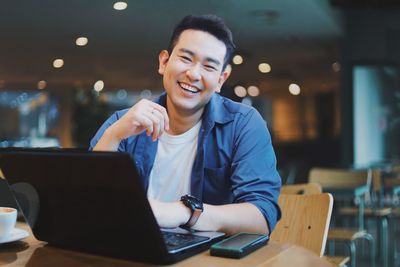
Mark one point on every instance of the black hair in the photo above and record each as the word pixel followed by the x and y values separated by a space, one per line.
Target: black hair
pixel 207 23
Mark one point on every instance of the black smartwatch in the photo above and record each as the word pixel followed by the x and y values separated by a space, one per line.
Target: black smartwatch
pixel 196 206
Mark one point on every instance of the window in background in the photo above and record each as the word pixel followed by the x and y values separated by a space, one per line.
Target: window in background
pixel 27 119
pixel 91 110
pixel 376 102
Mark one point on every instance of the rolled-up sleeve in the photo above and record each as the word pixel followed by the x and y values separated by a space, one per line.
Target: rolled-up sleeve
pixel 254 176
pixel 113 118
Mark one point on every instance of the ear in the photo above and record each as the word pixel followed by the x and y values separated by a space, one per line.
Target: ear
pixel 162 61
pixel 222 78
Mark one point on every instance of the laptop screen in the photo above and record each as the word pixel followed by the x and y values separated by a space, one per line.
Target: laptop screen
pixel 84 200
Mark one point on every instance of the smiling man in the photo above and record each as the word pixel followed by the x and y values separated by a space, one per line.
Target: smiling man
pixel 207 162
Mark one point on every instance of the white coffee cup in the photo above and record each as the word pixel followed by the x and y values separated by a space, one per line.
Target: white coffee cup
pixel 8 218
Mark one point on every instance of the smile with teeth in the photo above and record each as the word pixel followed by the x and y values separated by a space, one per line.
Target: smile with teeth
pixel 188 88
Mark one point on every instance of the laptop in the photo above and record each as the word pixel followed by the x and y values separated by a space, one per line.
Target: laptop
pixel 93 202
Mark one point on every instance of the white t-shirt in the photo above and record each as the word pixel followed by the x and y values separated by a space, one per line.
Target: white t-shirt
pixel 172 169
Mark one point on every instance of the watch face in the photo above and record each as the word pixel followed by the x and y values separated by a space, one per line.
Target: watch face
pixel 198 204
pixel 192 202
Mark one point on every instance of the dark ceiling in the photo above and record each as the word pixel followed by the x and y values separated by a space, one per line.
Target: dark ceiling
pixel 298 38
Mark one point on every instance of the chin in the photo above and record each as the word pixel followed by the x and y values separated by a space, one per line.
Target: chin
pixel 188 107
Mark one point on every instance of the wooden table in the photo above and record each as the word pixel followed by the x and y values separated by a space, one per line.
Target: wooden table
pixel 31 252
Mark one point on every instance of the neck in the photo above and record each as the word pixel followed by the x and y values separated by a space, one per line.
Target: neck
pixel 181 121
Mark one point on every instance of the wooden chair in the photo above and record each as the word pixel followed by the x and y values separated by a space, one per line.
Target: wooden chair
pixel 309 189
pixel 391 181
pixel 302 189
pixel 342 183
pixel 396 216
pixel 391 184
pixel 305 220
pixel 376 211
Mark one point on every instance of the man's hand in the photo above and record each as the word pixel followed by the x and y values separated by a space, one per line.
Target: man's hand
pixel 170 214
pixel 143 116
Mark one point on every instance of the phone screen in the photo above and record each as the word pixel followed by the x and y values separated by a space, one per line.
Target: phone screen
pixel 239 240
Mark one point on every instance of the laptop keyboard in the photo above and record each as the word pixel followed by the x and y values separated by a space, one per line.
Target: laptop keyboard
pixel 177 240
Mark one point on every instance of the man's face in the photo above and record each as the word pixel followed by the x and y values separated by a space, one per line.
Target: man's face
pixel 193 71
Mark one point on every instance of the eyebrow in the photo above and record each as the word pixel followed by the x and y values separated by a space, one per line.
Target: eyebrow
pixel 209 59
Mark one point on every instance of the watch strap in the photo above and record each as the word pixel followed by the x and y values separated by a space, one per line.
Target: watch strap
pixel 196 208
pixel 193 218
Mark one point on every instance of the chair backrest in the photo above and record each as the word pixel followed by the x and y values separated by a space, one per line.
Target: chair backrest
pixel 392 179
pixel 376 180
pixel 305 221
pixel 340 178
pixel 302 189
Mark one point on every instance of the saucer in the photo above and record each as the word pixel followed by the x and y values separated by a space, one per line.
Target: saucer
pixel 15 235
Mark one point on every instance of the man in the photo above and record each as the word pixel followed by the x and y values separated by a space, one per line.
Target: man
pixel 193 141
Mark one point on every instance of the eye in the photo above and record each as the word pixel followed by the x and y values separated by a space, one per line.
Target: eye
pixel 186 59
pixel 210 68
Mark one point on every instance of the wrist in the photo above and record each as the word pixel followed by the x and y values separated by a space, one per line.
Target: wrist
pixel 184 212
pixel 111 135
pixel 196 208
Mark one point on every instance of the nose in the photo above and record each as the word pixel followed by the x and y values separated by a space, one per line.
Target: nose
pixel 193 73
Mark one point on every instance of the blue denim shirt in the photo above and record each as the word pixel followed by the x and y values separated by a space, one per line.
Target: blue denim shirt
pixel 235 161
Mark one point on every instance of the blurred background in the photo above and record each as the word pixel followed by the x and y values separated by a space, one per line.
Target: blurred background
pixel 324 74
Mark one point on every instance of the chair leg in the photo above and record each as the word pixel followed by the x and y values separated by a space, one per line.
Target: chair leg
pixel 395 249
pixel 371 240
pixel 384 241
pixel 395 240
pixel 396 253
pixel 352 247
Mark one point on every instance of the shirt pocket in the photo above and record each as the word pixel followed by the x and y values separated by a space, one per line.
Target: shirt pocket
pixel 217 185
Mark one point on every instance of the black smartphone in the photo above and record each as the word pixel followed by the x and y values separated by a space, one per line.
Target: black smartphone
pixel 239 245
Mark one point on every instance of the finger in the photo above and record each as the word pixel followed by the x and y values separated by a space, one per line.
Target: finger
pixel 164 114
pixel 160 118
pixel 144 122
pixel 156 124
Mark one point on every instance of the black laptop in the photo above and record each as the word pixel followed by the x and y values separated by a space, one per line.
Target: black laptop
pixel 93 202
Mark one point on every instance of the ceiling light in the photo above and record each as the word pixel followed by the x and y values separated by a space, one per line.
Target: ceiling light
pixel 294 89
pixel 240 91
pixel 58 63
pixel 98 86
pixel 41 85
pixel 237 59
pixel 253 90
pixel 120 5
pixel 81 41
pixel 264 67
